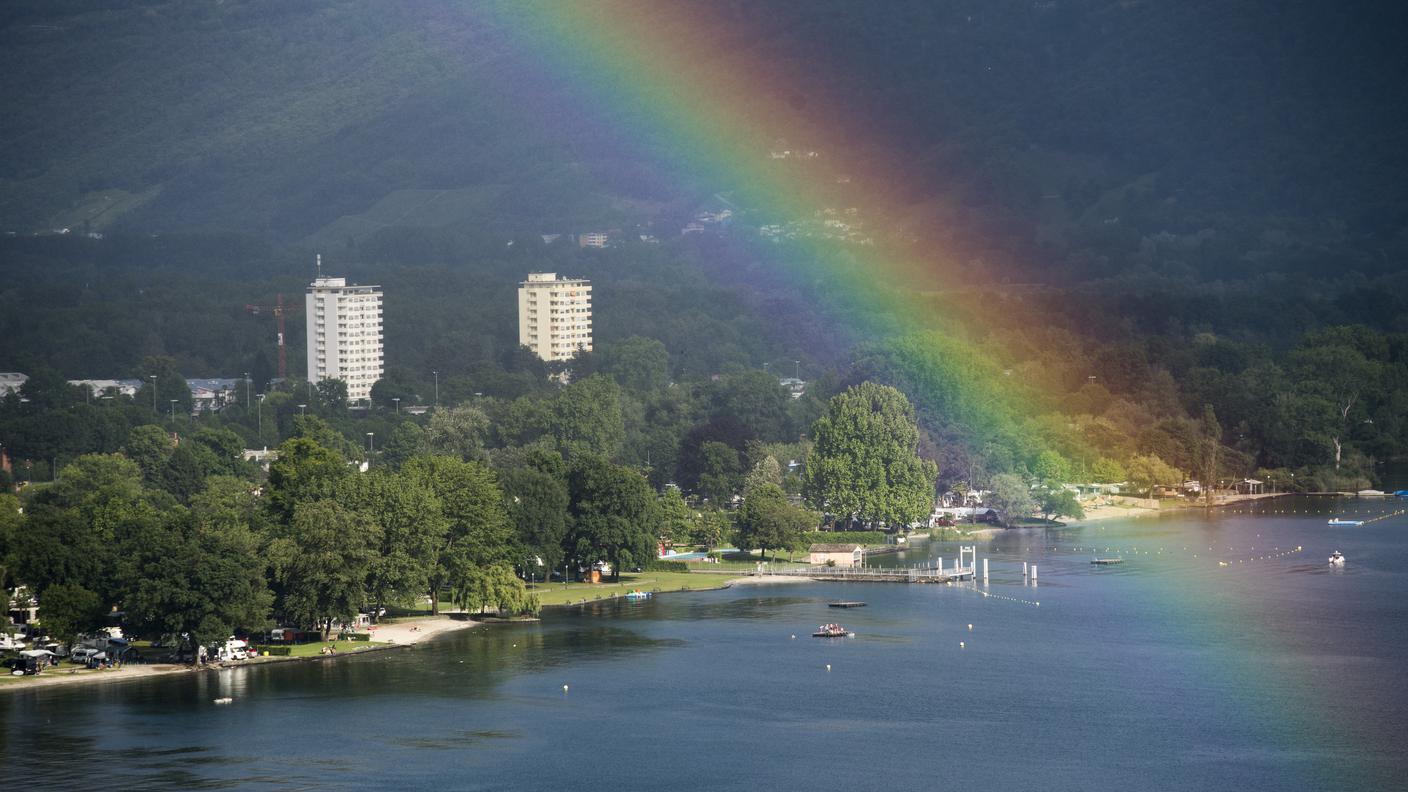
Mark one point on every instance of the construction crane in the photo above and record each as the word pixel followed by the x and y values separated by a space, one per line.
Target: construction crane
pixel 279 310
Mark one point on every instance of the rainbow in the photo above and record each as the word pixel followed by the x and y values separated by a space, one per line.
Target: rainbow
pixel 656 72
pixel 666 73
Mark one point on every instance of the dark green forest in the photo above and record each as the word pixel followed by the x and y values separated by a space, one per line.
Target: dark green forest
pixel 1163 223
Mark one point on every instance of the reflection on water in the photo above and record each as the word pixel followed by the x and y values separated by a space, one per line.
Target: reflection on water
pixel 1215 656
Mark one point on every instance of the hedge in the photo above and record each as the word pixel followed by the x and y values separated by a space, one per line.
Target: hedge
pixel 661 565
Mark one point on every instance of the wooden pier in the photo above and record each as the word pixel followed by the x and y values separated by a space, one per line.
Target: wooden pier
pixel 876 574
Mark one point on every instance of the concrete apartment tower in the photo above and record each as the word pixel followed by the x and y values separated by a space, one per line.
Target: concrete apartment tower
pixel 344 333
pixel 555 315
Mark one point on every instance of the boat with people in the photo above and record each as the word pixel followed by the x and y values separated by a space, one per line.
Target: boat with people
pixel 1343 521
pixel 637 594
pixel 832 631
pixel 1337 558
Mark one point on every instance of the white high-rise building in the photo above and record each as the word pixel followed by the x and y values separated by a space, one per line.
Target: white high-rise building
pixel 555 315
pixel 344 334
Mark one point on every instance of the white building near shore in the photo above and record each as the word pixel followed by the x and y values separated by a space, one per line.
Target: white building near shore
pixel 555 315
pixel 344 334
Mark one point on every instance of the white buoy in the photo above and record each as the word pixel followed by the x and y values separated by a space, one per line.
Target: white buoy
pixel 970 628
pixel 794 637
pixel 225 700
pixel 962 645
pixel 828 666
pixel 564 688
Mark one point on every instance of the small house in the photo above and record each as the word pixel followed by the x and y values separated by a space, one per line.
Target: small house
pixel 841 555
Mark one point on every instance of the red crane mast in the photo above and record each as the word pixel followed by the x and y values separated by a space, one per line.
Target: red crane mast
pixel 279 310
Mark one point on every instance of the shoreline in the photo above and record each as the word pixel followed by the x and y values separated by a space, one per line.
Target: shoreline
pixel 395 635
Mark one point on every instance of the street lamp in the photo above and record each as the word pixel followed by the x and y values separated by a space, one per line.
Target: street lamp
pixel 437 389
pixel 261 417
pixel 398 404
pixel 173 411
pixel 369 447
pixel 153 376
pixel 246 391
pixel 301 407
pixel 796 369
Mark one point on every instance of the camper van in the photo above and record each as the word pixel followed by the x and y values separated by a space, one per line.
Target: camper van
pixel 232 649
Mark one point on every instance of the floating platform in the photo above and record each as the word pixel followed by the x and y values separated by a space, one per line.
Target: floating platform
pixel 846 604
pixel 1107 561
pixel 1341 521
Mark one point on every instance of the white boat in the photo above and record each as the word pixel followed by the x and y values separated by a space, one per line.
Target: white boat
pixel 1337 558
pixel 1342 521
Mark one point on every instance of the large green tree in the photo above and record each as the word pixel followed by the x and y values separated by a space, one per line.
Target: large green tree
pixel 477 532
pixel 321 560
pixel 768 521
pixel 865 462
pixel 614 515
pixel 412 529
pixel 586 418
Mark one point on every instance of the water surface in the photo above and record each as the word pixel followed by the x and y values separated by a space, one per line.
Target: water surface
pixel 1169 671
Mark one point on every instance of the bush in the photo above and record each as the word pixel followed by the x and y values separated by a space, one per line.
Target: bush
pixel 660 565
pixel 276 651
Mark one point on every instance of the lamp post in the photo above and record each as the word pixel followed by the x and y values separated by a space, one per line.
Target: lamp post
pixel 153 376
pixel 173 411
pixel 261 417
pixel 436 374
pixel 369 448
pixel 398 404
pixel 301 408
pixel 796 369
pixel 246 391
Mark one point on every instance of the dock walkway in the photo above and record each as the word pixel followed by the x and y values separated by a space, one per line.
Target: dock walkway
pixel 875 574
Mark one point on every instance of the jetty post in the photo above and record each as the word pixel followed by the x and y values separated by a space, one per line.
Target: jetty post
pixel 1033 574
pixel 985 571
pixel 1024 570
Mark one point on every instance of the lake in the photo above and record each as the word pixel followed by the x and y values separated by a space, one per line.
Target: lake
pixel 1168 671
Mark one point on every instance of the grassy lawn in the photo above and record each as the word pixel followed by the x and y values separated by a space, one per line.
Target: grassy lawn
pixel 559 594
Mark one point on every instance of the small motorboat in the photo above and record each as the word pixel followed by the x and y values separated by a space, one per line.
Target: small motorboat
pixel 846 604
pixel 1342 521
pixel 1106 561
pixel 1337 558
pixel 637 595
pixel 832 631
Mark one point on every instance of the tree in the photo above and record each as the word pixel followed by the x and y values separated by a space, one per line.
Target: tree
pixel 1060 502
pixel 1107 471
pixel 69 609
pixel 1148 471
pixel 537 501
pixel 332 396
pixel 586 418
pixel 321 560
pixel 613 513
pixel 192 576
pixel 226 451
pixel 170 385
pixel 767 471
pixel 676 518
pixel 768 521
pixel 478 531
pixel 1051 467
pixel 637 364
pixel 407 440
pixel 458 432
pixel 495 586
pixel 865 460
pixel 1011 496
pixel 719 472
pixel 304 472
pixel 150 447
pixel 1210 443
pixel 411 531
pixel 712 528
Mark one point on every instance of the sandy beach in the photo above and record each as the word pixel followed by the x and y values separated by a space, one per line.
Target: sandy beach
pixel 395 634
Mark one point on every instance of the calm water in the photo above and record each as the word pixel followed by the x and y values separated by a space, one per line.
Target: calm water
pixel 1167 672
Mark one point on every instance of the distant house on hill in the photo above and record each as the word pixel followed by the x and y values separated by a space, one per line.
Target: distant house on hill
pixel 841 555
